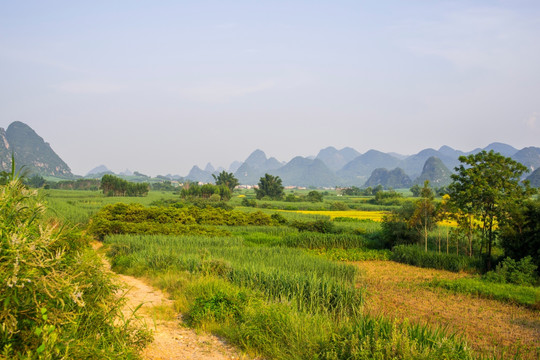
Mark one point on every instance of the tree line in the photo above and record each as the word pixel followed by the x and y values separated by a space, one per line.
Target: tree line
pixel 115 186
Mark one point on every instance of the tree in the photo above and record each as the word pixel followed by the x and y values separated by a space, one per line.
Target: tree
pixel 270 186
pixel 485 187
pixel 415 189
pixel 424 216
pixel 314 196
pixel 520 237
pixel 227 179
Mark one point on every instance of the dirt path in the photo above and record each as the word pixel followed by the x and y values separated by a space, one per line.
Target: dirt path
pixel 171 340
pixel 395 291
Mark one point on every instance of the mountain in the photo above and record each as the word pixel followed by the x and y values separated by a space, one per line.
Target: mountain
pixel 336 159
pixel 356 171
pixel 436 172
pixel 503 149
pixel 534 178
pixel 5 151
pixel 196 174
pixel 234 166
pixel 395 179
pixel 101 169
pixel 255 166
pixel 302 171
pixel 529 156
pixel 31 151
pixel 209 168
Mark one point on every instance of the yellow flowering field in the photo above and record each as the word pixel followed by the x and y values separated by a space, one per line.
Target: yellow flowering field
pixel 355 214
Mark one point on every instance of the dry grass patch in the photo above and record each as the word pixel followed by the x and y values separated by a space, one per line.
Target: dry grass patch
pixel 491 327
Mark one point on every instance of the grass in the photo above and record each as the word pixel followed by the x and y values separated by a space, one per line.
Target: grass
pixel 312 283
pixel 275 302
pixel 77 206
pixel 523 295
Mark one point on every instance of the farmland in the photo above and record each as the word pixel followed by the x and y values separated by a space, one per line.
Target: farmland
pixel 303 280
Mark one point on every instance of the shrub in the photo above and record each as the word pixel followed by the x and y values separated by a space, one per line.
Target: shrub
pixel 513 272
pixel 320 226
pixel 58 302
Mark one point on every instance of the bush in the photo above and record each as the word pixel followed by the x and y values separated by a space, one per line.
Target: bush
pixel 58 302
pixel 136 219
pixel 513 272
pixel 320 226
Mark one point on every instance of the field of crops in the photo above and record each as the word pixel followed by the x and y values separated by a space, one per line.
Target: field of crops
pixel 281 288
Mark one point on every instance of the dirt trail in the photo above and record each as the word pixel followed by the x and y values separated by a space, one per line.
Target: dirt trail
pixel 171 340
pixel 395 291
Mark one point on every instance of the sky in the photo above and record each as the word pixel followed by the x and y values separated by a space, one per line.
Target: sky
pixel 160 86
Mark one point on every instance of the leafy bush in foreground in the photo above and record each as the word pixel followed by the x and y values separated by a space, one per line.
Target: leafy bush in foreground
pixel 58 302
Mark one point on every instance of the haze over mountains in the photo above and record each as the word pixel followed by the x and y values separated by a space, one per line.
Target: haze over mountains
pixel 329 168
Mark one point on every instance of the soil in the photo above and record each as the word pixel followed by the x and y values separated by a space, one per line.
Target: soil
pixel 172 340
pixel 397 291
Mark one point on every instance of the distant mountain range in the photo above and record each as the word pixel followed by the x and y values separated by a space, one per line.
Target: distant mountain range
pixel 331 167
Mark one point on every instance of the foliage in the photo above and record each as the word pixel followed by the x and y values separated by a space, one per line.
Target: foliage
pixel 269 186
pixel 165 185
pixel 353 254
pixel 486 186
pixel 319 226
pixel 226 179
pixel 205 191
pixel 311 283
pixel 396 228
pixel 58 302
pixel 415 255
pixel 339 206
pixel 249 312
pixel 424 217
pixel 249 202
pixel 35 181
pixel 525 295
pixel 510 271
pixel 79 184
pixel 415 189
pixel 115 186
pixel 314 196
pixel 136 219
pixel 520 235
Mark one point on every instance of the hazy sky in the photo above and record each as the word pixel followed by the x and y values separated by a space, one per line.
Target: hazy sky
pixel 160 86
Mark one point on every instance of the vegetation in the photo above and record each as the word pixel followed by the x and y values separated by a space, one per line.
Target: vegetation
pixel 136 219
pixel 269 186
pixel 519 294
pixel 414 255
pixel 58 302
pixel 486 187
pixel 115 186
pixel 226 179
pixel 206 191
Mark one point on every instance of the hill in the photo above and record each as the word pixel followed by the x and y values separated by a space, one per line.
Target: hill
pixel 436 172
pixel 395 179
pixel 31 151
pixel 534 178
pixel 306 172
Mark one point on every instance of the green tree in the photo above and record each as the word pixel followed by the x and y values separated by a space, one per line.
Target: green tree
pixel 424 216
pixel 270 186
pixel 314 196
pixel 415 189
pixel 486 186
pixel 227 179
